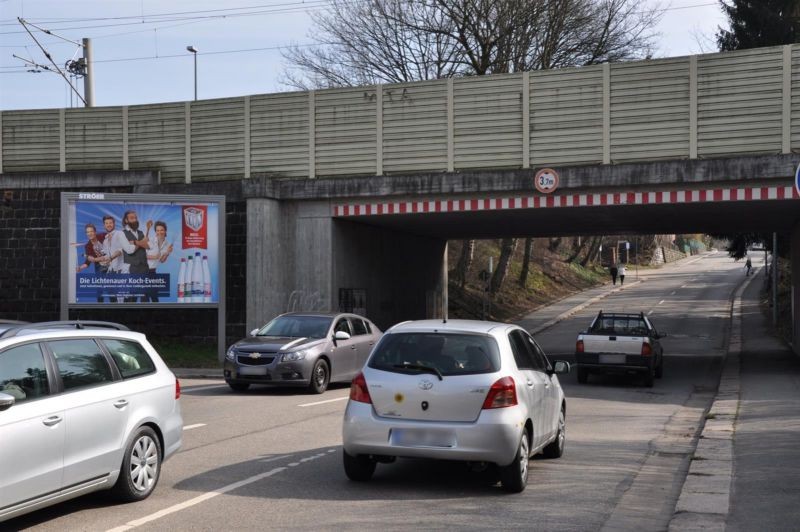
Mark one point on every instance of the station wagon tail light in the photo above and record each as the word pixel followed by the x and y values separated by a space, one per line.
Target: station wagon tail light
pixel 647 350
pixel 359 391
pixel 503 393
pixel 177 389
pixel 579 346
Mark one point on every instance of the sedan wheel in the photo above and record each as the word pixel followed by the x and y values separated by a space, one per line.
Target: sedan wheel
pixel 141 466
pixel 514 476
pixel 556 448
pixel 320 377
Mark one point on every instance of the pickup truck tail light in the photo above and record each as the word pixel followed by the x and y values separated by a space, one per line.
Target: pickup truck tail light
pixel 502 394
pixel 647 350
pixel 579 346
pixel 359 391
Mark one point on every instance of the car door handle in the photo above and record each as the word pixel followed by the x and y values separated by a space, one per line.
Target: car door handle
pixel 530 384
pixel 352 347
pixel 122 403
pixel 52 420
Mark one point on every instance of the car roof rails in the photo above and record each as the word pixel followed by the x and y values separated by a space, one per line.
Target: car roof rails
pixel 64 324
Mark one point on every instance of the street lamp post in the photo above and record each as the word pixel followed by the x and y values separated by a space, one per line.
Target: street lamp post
pixel 192 49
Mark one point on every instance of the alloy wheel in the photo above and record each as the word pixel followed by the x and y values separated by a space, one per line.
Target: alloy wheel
pixel 144 463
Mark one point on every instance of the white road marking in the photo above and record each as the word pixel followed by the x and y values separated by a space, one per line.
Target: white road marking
pixel 211 494
pixel 197 500
pixel 673 292
pixel 649 312
pixel 195 426
pixel 327 401
pixel 660 301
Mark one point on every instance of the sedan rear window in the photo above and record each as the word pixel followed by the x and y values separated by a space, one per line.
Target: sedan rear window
pixel 447 353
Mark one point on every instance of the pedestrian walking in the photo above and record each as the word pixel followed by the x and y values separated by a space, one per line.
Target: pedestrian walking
pixel 748 266
pixel 614 270
pixel 622 270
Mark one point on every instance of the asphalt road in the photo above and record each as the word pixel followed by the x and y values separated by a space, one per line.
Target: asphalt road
pixel 271 459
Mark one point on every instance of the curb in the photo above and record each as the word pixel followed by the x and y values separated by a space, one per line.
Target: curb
pixel 704 501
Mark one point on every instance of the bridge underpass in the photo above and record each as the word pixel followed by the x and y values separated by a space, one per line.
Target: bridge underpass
pixel 389 243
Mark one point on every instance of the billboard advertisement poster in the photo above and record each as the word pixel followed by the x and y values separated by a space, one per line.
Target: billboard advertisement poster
pixel 144 249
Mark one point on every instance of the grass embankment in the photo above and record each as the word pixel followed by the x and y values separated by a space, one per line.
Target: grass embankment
pixel 550 278
pixel 182 355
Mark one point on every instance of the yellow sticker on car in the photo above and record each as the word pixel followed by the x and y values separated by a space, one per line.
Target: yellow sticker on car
pixel 398 398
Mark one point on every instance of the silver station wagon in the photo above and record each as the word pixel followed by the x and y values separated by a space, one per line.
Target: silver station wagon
pixel 456 390
pixel 84 406
pixel 307 349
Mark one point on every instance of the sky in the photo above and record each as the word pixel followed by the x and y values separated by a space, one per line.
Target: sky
pixel 140 56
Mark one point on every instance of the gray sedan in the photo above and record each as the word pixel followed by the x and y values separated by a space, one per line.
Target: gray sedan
pixel 301 349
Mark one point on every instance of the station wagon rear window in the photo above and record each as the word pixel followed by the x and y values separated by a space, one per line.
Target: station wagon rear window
pixel 450 353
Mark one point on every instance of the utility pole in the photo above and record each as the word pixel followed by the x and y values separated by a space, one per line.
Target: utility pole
pixel 88 78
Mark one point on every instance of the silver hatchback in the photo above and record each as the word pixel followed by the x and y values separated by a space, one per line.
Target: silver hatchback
pixel 456 390
pixel 83 407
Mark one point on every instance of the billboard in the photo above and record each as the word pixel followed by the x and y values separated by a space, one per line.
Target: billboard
pixel 134 249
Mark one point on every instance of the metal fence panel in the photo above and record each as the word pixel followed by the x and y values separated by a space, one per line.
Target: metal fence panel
pixel 157 140
pixel 415 127
pixel 488 121
pixel 93 138
pixel 650 110
pixel 345 133
pixel 739 99
pixel 217 139
pixel 31 141
pixel 279 134
pixel 567 116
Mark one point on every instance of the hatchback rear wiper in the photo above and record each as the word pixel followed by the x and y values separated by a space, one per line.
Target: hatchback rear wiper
pixel 426 369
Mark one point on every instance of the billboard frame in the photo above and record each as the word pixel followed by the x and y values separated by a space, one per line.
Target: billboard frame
pixel 66 306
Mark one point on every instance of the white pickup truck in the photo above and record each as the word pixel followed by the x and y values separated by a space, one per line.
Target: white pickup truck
pixel 622 344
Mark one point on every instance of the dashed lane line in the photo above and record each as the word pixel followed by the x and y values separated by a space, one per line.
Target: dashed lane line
pixel 195 426
pixel 209 495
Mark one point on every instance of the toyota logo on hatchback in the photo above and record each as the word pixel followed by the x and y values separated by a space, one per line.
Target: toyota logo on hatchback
pixel 425 384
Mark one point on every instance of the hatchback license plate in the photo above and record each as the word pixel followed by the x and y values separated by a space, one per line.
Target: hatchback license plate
pixel 422 438
pixel 612 359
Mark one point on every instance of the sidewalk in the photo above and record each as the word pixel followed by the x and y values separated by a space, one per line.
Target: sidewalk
pixel 745 474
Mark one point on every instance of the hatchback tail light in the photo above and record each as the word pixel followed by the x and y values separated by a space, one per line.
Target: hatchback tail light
pixel 359 391
pixel 177 389
pixel 647 349
pixel 579 346
pixel 502 394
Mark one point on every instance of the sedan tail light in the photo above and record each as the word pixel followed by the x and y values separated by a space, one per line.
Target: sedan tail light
pixel 177 389
pixel 359 391
pixel 502 394
pixel 647 349
pixel 579 346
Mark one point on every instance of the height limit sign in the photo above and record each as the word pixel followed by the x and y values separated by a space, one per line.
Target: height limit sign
pixel 546 180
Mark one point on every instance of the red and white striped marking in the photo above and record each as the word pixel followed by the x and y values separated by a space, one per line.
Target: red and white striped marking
pixel 571 200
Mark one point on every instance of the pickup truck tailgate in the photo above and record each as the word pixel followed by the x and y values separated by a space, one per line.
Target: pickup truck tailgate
pixel 628 345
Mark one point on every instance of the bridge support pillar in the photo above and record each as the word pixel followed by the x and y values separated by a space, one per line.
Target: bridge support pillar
pixel 795 244
pixel 300 258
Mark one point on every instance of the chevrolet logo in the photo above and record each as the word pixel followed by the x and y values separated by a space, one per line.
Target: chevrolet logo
pixel 255 355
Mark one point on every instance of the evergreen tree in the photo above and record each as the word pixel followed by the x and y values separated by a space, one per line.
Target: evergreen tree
pixel 755 23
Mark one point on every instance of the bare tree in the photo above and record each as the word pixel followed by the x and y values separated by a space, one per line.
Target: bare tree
pixel 360 42
pixel 464 262
pixel 526 262
pixel 507 248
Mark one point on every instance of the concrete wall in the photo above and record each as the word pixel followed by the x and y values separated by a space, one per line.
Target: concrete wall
pixel 403 275
pixel 299 257
pixel 796 288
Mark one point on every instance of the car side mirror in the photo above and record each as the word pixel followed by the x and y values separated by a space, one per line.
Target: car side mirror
pixel 6 401
pixel 561 367
pixel 253 332
pixel 341 335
